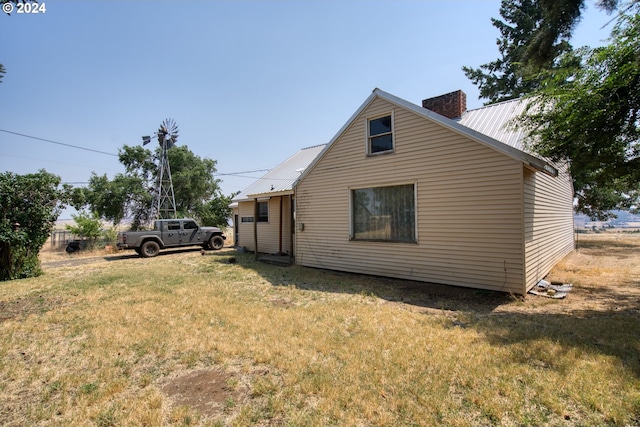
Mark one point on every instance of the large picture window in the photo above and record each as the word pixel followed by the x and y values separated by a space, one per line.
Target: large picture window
pixel 380 135
pixel 384 213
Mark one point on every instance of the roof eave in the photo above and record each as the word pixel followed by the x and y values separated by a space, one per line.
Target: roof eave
pixel 251 197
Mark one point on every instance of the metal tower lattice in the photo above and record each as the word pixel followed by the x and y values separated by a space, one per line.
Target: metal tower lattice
pixel 164 200
pixel 165 204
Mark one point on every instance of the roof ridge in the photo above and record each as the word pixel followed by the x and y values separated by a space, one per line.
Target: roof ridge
pixel 494 104
pixel 313 146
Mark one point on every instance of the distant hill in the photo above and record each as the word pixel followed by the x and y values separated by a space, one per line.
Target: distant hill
pixel 624 220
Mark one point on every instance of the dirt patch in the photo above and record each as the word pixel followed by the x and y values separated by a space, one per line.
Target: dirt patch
pixel 23 307
pixel 208 391
pixel 282 303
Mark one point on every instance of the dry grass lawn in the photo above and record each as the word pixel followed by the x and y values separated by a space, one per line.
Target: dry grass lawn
pixel 185 339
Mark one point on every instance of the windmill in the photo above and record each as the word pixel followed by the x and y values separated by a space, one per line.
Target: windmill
pixel 164 203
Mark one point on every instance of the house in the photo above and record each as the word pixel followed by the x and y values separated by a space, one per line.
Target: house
pixel 430 193
pixel 263 212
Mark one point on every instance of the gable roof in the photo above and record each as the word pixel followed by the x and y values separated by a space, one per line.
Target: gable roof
pixel 490 119
pixel 279 181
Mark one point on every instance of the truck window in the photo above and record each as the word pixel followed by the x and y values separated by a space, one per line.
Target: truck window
pixel 173 225
pixel 190 225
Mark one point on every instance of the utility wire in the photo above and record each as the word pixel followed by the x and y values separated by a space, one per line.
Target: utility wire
pixel 59 143
pixel 239 174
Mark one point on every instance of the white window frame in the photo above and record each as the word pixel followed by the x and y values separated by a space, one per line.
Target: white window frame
pixel 368 134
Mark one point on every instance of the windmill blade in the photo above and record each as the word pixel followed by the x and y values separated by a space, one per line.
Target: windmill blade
pixel 169 132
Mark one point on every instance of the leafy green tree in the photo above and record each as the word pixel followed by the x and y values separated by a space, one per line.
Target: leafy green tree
pixel 29 206
pixel 130 194
pixel 87 226
pixel 216 212
pixel 193 179
pixel 590 114
pixel 124 196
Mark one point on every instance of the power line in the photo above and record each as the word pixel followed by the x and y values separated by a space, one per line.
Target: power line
pixel 237 174
pixel 58 143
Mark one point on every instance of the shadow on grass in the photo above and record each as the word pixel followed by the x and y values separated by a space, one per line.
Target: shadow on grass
pixel 609 247
pixel 72 261
pixel 165 252
pixel 421 294
pixel 612 332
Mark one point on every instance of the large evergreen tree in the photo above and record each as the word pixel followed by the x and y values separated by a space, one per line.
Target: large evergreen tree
pixel 534 34
pixel 508 77
pixel 558 20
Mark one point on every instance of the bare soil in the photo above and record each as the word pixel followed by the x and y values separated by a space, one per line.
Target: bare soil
pixel 208 391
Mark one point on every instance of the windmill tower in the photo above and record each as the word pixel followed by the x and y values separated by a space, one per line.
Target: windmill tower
pixel 164 201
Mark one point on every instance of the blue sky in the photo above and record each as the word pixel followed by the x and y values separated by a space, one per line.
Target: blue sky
pixel 248 82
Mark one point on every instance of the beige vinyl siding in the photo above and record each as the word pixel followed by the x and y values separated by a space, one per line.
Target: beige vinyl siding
pixel 268 232
pixel 548 222
pixel 469 206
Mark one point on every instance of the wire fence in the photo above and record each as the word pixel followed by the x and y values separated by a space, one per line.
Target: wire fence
pixel 61 238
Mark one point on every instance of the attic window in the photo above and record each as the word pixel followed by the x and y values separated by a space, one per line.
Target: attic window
pixel 380 135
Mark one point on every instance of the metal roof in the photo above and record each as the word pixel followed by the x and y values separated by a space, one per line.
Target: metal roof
pixel 496 121
pixel 280 180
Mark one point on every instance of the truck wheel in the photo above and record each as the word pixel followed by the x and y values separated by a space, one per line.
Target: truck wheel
pixel 149 249
pixel 216 242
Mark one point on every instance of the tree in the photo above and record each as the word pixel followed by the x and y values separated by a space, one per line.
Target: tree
pixel 29 206
pixel 534 34
pixel 130 194
pixel 559 18
pixel 507 77
pixel 193 179
pixel 216 212
pixel 124 196
pixel 590 114
pixel 87 226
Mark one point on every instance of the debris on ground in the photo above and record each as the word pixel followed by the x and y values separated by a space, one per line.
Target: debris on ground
pixel 551 290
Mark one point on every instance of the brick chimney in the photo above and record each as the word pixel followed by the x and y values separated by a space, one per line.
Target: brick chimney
pixel 451 105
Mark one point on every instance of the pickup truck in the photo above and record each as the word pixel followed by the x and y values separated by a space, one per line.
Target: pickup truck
pixel 171 233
